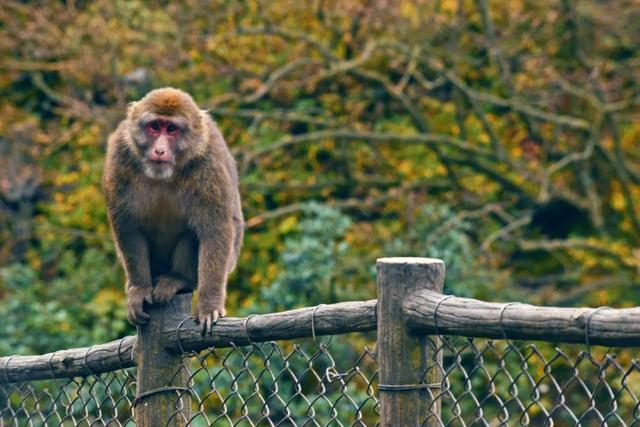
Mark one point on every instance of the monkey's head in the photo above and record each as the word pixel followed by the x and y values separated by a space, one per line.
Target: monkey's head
pixel 167 129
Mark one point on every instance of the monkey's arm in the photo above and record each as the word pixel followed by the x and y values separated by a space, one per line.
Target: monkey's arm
pixel 215 253
pixel 134 253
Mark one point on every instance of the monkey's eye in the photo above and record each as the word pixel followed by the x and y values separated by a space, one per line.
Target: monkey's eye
pixel 172 129
pixel 153 128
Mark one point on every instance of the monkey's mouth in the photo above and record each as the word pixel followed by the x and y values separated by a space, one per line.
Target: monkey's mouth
pixel 161 162
pixel 159 169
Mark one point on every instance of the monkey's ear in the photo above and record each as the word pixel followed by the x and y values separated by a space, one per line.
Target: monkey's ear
pixel 132 106
pixel 205 112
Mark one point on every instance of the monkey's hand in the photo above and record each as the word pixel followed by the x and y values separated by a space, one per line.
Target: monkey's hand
pixel 207 314
pixel 166 287
pixel 136 297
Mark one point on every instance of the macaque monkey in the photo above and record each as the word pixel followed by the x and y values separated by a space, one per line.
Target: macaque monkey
pixel 171 187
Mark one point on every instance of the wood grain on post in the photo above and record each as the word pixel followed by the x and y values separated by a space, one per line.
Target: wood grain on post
pixel 403 357
pixel 160 377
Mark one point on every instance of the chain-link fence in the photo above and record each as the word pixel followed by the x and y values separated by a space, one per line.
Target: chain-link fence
pixel 486 382
pixel 300 382
pixel 334 382
pixel 104 399
pixel 325 365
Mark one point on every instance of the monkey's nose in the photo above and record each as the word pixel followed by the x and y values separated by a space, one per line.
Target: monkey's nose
pixel 159 151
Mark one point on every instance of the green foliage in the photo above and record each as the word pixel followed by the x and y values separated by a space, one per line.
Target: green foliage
pixel 309 260
pixel 76 309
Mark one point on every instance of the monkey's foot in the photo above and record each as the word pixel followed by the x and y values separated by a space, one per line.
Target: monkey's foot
pixel 136 297
pixel 207 316
pixel 166 287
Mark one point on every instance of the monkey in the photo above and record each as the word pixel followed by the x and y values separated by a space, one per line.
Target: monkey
pixel 171 189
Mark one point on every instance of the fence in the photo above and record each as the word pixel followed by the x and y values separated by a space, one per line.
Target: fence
pixel 439 360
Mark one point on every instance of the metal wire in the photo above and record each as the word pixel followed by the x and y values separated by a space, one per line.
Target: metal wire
pixel 587 326
pixel 483 382
pixel 287 383
pixel 104 399
pixel 505 383
pixel 435 313
pixel 500 321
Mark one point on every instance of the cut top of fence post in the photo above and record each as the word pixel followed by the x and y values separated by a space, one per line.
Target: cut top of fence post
pixel 411 273
pixel 409 260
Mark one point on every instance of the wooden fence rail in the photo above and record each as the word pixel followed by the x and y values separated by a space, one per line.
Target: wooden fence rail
pixel 329 319
pixel 430 312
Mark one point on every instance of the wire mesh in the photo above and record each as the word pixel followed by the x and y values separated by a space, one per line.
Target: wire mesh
pixel 328 381
pixel 491 383
pixel 84 401
pixel 334 383
pixel 287 383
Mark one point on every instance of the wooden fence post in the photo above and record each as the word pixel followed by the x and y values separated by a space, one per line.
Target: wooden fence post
pixel 158 372
pixel 402 357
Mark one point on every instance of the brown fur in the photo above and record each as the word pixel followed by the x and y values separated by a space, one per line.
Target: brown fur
pixel 184 231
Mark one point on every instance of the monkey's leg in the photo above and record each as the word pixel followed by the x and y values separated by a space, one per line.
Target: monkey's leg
pixel 183 272
pixel 238 226
pixel 166 286
pixel 214 254
pixel 133 251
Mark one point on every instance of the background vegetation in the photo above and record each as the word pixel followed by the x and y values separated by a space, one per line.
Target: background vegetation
pixel 500 136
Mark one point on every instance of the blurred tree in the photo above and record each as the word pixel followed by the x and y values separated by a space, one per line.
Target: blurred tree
pixel 501 136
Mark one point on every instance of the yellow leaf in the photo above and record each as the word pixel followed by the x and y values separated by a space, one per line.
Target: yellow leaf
pixel 288 224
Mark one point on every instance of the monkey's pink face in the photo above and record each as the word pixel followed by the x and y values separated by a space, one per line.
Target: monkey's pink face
pixel 163 138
